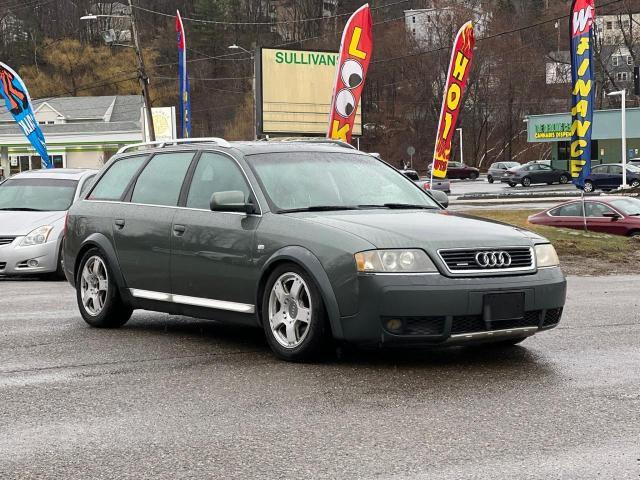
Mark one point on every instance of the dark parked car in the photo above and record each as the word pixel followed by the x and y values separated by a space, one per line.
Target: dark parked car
pixel 609 177
pixel 308 241
pixel 441 184
pixel 615 215
pixel 533 172
pixel 499 169
pixel 461 171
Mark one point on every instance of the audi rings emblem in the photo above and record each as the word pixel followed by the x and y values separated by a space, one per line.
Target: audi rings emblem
pixel 493 259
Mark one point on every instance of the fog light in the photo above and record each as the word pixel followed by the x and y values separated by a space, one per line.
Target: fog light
pixel 32 263
pixel 394 325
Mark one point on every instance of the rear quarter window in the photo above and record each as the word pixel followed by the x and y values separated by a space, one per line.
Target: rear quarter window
pixel 115 181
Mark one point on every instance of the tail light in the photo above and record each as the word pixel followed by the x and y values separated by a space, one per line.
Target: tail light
pixel 427 186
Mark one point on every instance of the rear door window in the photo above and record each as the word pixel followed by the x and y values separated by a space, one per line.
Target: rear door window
pixel 215 173
pixel 115 181
pixel 161 180
pixel 570 210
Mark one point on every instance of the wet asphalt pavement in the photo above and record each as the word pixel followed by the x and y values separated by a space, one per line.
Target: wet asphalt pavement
pixel 172 397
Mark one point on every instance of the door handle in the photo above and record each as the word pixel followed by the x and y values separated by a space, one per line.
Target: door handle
pixel 119 223
pixel 179 230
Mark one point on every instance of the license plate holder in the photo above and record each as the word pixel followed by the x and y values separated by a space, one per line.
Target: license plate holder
pixel 503 306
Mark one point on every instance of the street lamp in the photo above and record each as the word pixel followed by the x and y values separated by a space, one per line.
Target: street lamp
pixel 142 74
pixel 253 87
pixel 461 150
pixel 623 96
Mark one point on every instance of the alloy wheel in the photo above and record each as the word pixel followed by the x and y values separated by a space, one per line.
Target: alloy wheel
pixel 94 285
pixel 290 310
pixel 588 187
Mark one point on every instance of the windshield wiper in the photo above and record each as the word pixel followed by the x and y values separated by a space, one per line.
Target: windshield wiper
pixel 22 209
pixel 400 206
pixel 318 208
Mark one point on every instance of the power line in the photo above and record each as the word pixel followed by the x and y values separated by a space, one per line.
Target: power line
pixel 280 22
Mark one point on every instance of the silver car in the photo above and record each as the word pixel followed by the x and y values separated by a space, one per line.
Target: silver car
pixel 33 207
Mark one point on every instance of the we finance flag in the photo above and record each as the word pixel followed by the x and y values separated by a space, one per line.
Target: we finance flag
pixel 457 79
pixel 18 102
pixel 184 107
pixel 356 49
pixel 582 22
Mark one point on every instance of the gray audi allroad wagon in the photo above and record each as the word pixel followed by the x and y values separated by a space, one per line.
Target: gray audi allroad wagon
pixel 308 240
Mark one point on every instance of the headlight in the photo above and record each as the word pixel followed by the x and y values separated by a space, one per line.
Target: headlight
pixel 394 261
pixel 37 237
pixel 546 256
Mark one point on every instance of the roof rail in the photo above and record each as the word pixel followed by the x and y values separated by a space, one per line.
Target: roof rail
pixel 180 141
pixel 330 141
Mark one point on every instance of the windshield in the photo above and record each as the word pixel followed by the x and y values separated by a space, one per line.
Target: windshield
pixel 37 194
pixel 628 206
pixel 307 180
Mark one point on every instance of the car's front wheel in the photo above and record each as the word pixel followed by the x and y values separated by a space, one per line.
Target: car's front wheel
pixel 293 314
pixel 473 176
pixel 490 179
pixel 635 183
pixel 526 182
pixel 97 295
pixel 564 179
pixel 588 186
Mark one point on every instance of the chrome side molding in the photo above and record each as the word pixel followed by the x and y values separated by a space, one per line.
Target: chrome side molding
pixel 193 301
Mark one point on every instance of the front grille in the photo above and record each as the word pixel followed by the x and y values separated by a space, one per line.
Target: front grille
pixel 475 323
pixel 552 317
pixel 461 261
pixel 6 240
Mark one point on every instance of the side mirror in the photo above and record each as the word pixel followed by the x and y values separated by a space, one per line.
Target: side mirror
pixel 230 201
pixel 439 197
pixel 612 215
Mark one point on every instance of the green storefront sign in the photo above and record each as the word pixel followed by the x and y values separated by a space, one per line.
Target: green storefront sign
pixel 553 130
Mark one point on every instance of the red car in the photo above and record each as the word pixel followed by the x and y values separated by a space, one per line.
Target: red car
pixel 460 171
pixel 615 215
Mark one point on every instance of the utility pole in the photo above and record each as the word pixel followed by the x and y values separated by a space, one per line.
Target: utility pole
pixel 142 76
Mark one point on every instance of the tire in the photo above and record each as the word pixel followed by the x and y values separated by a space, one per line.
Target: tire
pixel 635 234
pixel 588 186
pixel 526 182
pixel 512 185
pixel 490 179
pixel 291 292
pixel 635 184
pixel 564 179
pixel 473 176
pixel 97 295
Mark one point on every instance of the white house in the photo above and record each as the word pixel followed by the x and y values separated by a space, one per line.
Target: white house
pixel 81 132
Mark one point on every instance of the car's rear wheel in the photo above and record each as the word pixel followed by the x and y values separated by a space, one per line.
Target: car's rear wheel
pixel 473 176
pixel 564 179
pixel 97 295
pixel 490 179
pixel 526 182
pixel 635 183
pixel 293 314
pixel 635 234
pixel 588 186
pixel 511 184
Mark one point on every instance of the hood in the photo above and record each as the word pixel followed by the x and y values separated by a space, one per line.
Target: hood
pixel 430 230
pixel 16 224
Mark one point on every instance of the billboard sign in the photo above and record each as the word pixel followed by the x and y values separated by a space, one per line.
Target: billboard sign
pixel 294 92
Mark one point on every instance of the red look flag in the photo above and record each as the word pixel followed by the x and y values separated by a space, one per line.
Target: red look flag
pixel 457 78
pixel 356 49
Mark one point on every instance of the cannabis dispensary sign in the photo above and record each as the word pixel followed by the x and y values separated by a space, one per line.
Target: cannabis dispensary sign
pixel 295 89
pixel 546 131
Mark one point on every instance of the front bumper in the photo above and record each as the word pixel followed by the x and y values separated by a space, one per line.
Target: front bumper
pixel 14 259
pixel 437 310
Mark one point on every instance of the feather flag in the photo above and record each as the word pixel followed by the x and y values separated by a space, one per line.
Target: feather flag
pixel 457 78
pixel 185 89
pixel 356 49
pixel 18 102
pixel 581 23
